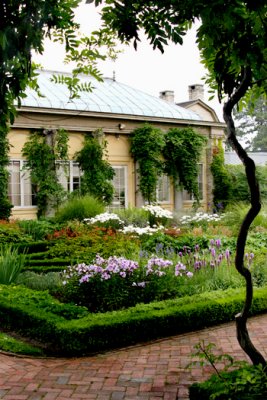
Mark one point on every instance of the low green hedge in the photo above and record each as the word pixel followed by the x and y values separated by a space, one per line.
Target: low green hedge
pixel 43 269
pixel 98 332
pixel 34 247
pixel 52 261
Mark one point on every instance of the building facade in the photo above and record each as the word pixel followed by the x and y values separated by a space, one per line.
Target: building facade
pixel 117 110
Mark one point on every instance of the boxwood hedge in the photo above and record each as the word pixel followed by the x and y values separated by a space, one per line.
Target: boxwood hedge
pixel 71 330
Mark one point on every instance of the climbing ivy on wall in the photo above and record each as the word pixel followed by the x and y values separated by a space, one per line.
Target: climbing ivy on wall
pixel 175 153
pixel 97 172
pixel 147 144
pixel 182 154
pixel 222 180
pixel 5 205
pixel 41 151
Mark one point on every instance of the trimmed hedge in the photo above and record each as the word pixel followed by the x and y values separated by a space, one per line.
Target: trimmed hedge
pixel 40 316
pixel 34 247
pixel 41 269
pixel 52 261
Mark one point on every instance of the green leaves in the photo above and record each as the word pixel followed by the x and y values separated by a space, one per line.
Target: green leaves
pixel 42 150
pixel 176 153
pixel 182 154
pixel 98 173
pixel 147 144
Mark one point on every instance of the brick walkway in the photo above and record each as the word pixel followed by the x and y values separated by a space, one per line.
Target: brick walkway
pixel 151 371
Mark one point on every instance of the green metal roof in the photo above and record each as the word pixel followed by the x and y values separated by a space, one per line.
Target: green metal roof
pixel 108 96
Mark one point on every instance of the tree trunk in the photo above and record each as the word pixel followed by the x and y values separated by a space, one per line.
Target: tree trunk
pixel 241 318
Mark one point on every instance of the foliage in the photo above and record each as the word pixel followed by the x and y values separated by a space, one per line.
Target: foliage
pixel 104 241
pixel 157 216
pixel 146 148
pixel 25 25
pixel 37 229
pixel 10 344
pixel 182 151
pixel 222 185
pixel 97 172
pixel 240 189
pixel 252 124
pixel 176 153
pixel 12 234
pixel 117 282
pixel 133 216
pixel 245 383
pixel 42 150
pixel 11 264
pixel 78 208
pixel 50 281
pixel 32 314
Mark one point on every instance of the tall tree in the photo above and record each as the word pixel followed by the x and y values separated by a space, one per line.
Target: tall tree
pixel 251 124
pixel 24 25
pixel 232 39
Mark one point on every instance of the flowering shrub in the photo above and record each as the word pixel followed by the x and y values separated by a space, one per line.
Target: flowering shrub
pixel 116 282
pixel 106 220
pixel 141 231
pixel 157 215
pixel 200 219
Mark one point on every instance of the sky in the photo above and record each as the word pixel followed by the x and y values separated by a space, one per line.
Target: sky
pixel 145 69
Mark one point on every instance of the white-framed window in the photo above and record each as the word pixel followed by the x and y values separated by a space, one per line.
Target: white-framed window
pixel 20 190
pixel 69 175
pixel 120 187
pixel 163 189
pixel 189 197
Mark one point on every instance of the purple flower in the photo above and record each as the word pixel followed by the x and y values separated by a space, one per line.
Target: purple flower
pixel 212 242
pixel 189 274
pixel 197 265
pixel 227 254
pixel 213 252
pixel 218 242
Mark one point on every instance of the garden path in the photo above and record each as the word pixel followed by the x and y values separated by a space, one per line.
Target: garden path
pixel 152 371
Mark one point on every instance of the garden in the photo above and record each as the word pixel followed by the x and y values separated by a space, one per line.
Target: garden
pixel 89 280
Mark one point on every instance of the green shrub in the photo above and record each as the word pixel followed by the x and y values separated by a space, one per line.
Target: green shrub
pixel 79 208
pixel 10 344
pixel 246 383
pixel 38 315
pixel 49 281
pixel 37 229
pixel 133 216
pixel 12 235
pixel 240 191
pixel 102 241
pixel 11 264
pixel 222 184
pixel 161 243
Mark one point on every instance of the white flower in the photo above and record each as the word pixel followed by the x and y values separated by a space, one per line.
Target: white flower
pixel 158 211
pixel 104 217
pixel 141 231
pixel 200 217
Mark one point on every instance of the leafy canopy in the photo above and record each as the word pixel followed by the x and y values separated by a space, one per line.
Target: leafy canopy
pixel 232 35
pixel 252 124
pixel 24 26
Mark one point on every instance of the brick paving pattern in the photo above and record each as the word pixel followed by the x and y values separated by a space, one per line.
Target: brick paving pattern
pixel 152 371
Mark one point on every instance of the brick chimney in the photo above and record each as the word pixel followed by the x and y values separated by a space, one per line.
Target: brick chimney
pixel 167 95
pixel 196 92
